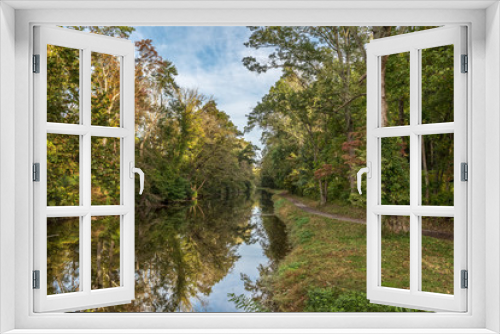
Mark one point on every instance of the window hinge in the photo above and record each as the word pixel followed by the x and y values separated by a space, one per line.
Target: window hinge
pixel 36 172
pixel 36 279
pixel 464 172
pixel 36 63
pixel 465 279
pixel 465 64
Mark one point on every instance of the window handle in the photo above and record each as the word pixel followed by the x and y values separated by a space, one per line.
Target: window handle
pixel 134 170
pixel 368 171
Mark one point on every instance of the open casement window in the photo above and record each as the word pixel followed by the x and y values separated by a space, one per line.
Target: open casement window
pixel 417 216
pixel 84 157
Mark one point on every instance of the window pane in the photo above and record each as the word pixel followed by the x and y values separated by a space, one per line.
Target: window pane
pixel 63 255
pixel 63 170
pixel 105 89
pixel 395 251
pixel 437 84
pixel 437 170
pixel 105 252
pixel 395 171
pixel 63 84
pixel 395 90
pixel 437 254
pixel 105 171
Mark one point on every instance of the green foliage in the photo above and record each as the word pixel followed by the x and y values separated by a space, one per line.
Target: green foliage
pixel 301 221
pixel 314 130
pixel 105 168
pixel 397 89
pixel 283 268
pixel 63 255
pixel 63 85
pixel 165 182
pixel 105 272
pixel 315 114
pixel 279 203
pixel 63 174
pixel 245 303
pixel 336 300
pixel 183 251
pixel 395 171
pixel 184 143
pixel 305 236
pixel 358 200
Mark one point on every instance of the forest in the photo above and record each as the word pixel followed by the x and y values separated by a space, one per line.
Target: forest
pixel 191 219
pixel 188 148
pixel 314 118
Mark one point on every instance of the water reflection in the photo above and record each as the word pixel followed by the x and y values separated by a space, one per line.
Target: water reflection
pixel 188 259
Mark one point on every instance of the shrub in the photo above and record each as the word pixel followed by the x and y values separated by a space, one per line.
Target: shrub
pixel 336 300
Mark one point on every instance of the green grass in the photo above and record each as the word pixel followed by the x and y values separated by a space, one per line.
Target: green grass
pixel 328 260
pixel 301 221
pixel 282 270
pixel 331 207
pixel 305 236
pixel 336 300
pixel 330 255
pixel 278 204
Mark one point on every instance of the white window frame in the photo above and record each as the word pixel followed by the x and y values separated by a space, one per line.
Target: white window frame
pixel 414 43
pixel 484 267
pixel 86 43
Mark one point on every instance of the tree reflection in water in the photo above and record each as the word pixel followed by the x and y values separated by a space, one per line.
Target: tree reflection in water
pixel 273 240
pixel 182 253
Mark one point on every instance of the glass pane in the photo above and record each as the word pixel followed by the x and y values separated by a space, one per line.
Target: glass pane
pixel 63 170
pixel 437 170
pixel 63 255
pixel 437 254
pixel 395 90
pixel 63 84
pixel 437 84
pixel 105 171
pixel 396 252
pixel 395 171
pixel 105 252
pixel 105 89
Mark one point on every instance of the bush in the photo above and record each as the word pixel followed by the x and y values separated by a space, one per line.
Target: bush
pixel 336 300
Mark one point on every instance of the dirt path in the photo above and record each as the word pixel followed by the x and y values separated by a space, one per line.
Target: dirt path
pixel 306 208
pixel 299 204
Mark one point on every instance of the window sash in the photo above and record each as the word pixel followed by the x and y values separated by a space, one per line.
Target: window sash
pixel 413 298
pixel 86 297
pixel 420 14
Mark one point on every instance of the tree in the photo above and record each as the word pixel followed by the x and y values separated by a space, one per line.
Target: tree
pixel 314 116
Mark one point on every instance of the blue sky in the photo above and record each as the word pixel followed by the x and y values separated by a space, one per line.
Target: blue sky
pixel 209 59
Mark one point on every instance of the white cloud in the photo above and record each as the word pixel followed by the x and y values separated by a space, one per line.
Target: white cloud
pixel 209 58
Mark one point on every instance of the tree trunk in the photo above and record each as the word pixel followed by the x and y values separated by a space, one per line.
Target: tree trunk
pixel 141 146
pixel 322 195
pixel 381 32
pixel 401 107
pixel 384 107
pixel 350 127
pixel 99 264
pixel 325 192
pixel 110 265
pixel 426 173
pixel 352 173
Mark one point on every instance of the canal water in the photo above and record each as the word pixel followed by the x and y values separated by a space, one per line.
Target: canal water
pixel 192 258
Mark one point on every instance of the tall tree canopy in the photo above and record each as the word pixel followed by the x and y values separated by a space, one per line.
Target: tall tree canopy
pixel 314 117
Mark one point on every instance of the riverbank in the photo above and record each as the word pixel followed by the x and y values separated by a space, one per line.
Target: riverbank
pixel 326 267
pixel 337 209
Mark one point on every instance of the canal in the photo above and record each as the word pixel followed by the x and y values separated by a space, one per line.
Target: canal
pixel 199 257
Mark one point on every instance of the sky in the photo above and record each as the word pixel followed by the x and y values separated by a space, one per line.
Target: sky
pixel 210 59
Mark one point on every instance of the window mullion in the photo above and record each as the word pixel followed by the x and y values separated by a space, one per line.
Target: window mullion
pixel 414 171
pixel 85 179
